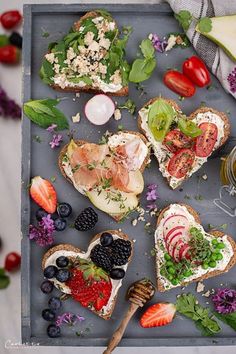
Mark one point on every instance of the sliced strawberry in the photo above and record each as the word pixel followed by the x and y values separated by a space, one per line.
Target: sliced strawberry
pixel 44 194
pixel 158 315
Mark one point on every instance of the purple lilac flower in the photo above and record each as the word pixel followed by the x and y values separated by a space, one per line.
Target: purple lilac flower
pixel 158 43
pixel 68 318
pixel 51 128
pixel 41 236
pixel 8 107
pixel 151 206
pixel 225 300
pixel 152 193
pixel 56 139
pixel 47 223
pixel 232 80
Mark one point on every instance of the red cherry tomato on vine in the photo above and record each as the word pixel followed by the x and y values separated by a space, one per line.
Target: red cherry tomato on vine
pixel 10 19
pixel 179 83
pixel 195 69
pixel 12 261
pixel 9 54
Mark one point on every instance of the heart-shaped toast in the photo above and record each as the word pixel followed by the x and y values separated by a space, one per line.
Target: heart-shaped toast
pixel 109 174
pixel 95 275
pixel 182 145
pixel 185 252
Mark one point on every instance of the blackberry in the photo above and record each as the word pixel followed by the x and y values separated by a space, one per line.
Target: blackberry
pixel 121 251
pixel 101 256
pixel 86 220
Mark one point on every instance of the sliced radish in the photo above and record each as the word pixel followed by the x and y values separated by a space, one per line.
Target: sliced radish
pixel 171 231
pixel 183 253
pixel 174 239
pixel 175 220
pixel 99 109
pixel 175 253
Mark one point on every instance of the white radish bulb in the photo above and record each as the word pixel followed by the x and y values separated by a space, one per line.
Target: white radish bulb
pixel 99 109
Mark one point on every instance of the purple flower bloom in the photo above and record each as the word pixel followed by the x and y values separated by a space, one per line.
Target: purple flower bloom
pixel 51 128
pixel 158 43
pixel 151 206
pixel 68 318
pixel 225 300
pixel 56 139
pixel 152 193
pixel 8 107
pixel 47 223
pixel 232 80
pixel 41 236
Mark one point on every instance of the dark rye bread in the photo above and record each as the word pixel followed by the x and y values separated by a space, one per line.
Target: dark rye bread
pixel 223 116
pixel 68 247
pixel 81 142
pixel 124 91
pixel 215 233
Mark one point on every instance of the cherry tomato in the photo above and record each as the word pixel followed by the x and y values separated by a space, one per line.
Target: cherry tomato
pixel 181 163
pixel 179 83
pixel 9 54
pixel 12 261
pixel 10 19
pixel 195 69
pixel 206 141
pixel 176 140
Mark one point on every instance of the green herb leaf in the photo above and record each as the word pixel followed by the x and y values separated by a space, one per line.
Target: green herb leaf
pixel 44 113
pixel 4 279
pixel 205 25
pixel 184 18
pixel 46 72
pixel 129 105
pixel 189 128
pixel 229 319
pixel 147 48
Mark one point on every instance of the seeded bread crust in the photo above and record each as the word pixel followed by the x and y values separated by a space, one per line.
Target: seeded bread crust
pixel 69 247
pixel 215 233
pixel 124 91
pixel 63 151
pixel 223 116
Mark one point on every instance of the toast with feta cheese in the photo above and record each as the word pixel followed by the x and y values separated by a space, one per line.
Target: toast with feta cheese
pixel 81 61
pixel 180 155
pixel 72 253
pixel 185 252
pixel 111 174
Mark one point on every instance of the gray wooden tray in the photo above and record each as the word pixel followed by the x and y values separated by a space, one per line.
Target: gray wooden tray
pixel 39 159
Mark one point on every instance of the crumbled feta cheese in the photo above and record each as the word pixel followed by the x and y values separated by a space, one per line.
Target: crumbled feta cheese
pixel 102 68
pixel 200 287
pixel 207 293
pixel 134 222
pixel 77 94
pixel 204 177
pixel 117 114
pixel 57 68
pixel 96 20
pixel 112 26
pixel 50 57
pixel 94 46
pixel 81 29
pixel 76 118
pixel 105 43
pixel 150 36
pixel 70 54
pixel 88 38
pixel 171 42
pixel 116 77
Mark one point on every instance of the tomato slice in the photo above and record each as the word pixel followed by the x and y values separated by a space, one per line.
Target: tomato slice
pixel 181 163
pixel 176 140
pixel 206 141
pixel 179 83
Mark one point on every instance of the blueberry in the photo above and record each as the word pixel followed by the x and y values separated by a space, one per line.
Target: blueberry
pixel 106 239
pixel 62 262
pixel 64 210
pixel 40 213
pixel 53 331
pixel 60 224
pixel 46 287
pixel 54 303
pixel 63 275
pixel 48 315
pixel 117 273
pixel 50 272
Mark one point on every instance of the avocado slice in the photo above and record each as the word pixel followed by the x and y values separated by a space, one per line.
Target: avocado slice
pixel 223 33
pixel 118 202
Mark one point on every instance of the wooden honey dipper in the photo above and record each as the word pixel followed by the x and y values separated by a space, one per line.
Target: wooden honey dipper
pixel 138 294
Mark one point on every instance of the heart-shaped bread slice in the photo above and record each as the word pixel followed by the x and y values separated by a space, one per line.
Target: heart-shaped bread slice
pixel 185 252
pixel 75 254
pixel 182 145
pixel 111 174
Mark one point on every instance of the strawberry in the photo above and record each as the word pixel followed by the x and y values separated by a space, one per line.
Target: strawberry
pixel 90 285
pixel 158 315
pixel 44 194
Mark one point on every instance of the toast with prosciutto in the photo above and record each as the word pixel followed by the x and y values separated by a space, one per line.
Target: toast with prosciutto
pixel 109 174
pixel 185 252
pixel 93 277
pixel 182 144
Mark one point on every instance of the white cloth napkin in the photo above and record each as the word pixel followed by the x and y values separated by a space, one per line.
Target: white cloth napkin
pixel 215 58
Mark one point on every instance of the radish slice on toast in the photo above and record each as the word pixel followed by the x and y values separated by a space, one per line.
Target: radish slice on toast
pixel 99 109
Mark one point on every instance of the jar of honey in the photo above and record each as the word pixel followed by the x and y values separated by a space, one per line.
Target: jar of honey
pixel 227 193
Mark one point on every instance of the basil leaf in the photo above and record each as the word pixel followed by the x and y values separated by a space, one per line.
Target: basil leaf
pixel 71 37
pixel 189 128
pixel 150 66
pixel 147 48
pixel 137 73
pixel 4 279
pixel 46 72
pixel 44 113
pixel 60 53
